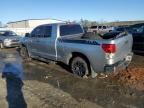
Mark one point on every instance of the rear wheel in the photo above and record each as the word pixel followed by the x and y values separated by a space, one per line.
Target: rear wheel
pixel 79 66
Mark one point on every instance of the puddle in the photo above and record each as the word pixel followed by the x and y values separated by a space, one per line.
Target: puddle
pixel 11 63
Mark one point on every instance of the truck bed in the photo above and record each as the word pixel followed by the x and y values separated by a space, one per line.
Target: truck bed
pixel 95 36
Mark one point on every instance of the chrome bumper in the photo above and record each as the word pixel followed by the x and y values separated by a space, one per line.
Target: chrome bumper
pixel 121 65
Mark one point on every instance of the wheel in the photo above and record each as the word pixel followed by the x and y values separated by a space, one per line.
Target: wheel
pixel 1 45
pixel 79 66
pixel 24 53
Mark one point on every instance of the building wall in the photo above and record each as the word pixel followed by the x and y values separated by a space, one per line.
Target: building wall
pixel 31 23
pixel 19 24
pixel 26 26
pixel 34 23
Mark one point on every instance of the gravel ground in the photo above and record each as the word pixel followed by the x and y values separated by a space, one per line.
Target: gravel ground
pixel 42 85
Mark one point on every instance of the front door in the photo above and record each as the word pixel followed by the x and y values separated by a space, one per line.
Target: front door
pixel 34 41
pixel 43 43
pixel 47 44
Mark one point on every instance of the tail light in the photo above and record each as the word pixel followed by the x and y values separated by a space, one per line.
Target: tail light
pixel 109 48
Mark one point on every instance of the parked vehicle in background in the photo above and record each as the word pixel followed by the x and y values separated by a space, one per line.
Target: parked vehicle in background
pixel 138 38
pixel 67 43
pixel 120 29
pixel 99 29
pixel 137 31
pixel 9 39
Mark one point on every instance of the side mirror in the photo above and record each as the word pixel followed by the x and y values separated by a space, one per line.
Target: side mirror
pixel 27 35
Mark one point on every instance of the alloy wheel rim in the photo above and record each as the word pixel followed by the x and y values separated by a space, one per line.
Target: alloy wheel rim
pixel 79 68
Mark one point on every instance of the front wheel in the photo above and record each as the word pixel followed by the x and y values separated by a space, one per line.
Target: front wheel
pixel 24 53
pixel 79 66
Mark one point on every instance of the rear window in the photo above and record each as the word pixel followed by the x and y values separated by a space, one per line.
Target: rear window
pixel 70 30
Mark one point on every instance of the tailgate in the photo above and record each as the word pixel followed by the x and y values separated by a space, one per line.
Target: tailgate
pixel 123 47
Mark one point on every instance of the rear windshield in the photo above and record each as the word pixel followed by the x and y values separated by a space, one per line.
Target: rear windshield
pixel 70 30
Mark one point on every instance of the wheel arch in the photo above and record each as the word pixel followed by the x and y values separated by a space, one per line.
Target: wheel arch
pixel 78 54
pixel 23 45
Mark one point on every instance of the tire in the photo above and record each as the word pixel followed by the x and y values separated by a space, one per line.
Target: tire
pixel 1 46
pixel 24 53
pixel 79 66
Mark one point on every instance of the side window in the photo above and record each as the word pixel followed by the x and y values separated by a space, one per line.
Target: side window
pixel 143 29
pixel 100 27
pixel 104 27
pixel 71 29
pixel 38 32
pixel 48 31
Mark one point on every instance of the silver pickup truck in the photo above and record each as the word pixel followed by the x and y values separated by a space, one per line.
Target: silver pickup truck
pixel 67 43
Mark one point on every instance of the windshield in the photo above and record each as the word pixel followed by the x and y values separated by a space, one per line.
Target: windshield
pixel 7 33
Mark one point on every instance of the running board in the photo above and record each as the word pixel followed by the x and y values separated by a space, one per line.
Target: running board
pixel 44 60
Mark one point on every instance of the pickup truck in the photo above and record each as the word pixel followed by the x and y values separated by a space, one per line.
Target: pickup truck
pixel 67 43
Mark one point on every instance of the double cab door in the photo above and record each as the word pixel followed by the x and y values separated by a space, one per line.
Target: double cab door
pixel 42 43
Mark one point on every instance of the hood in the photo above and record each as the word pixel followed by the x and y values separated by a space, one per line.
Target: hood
pixel 10 37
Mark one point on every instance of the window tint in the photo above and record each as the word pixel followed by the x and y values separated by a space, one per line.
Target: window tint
pixel 120 29
pixel 100 27
pixel 70 30
pixel 7 33
pixel 143 29
pixel 94 27
pixel 38 32
pixel 139 30
pixel 48 31
pixel 104 27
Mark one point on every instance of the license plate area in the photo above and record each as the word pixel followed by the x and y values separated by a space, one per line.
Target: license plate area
pixel 129 58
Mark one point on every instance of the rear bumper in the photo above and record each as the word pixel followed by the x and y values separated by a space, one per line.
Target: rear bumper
pixel 121 65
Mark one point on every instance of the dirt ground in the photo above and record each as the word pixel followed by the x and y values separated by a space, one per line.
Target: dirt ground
pixel 133 77
pixel 42 85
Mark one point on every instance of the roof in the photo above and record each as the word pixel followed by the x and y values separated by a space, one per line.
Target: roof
pixel 35 19
pixel 60 23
